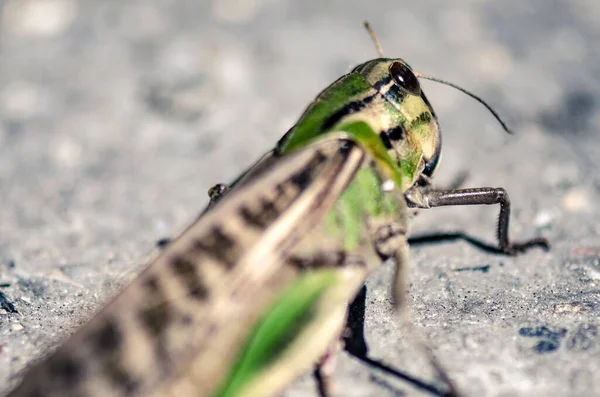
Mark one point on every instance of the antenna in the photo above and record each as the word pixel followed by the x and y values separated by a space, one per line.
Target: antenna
pixel 374 38
pixel 478 99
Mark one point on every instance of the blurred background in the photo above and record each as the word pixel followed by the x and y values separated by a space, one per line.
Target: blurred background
pixel 116 117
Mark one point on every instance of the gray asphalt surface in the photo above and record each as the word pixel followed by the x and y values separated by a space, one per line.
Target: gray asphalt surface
pixel 116 117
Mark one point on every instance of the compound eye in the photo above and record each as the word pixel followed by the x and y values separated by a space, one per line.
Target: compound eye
pixel 405 78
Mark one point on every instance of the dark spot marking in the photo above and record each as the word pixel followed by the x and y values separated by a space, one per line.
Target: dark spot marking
pixel 156 316
pixel 346 110
pixel 252 218
pixel 258 218
pixel 67 369
pixel 186 270
pixel 108 337
pixel 395 133
pixel 385 139
pixel 107 341
pixel 220 246
pixel 269 209
pixel 423 118
pixel 304 177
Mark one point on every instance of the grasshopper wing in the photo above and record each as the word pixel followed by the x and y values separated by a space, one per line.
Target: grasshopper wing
pixel 180 326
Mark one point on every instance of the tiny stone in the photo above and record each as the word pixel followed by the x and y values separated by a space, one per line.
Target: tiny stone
pixel 38 18
pixel 574 307
pixel 16 327
pixel 576 200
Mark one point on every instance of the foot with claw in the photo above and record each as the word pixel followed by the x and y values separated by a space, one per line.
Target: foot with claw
pixel 515 249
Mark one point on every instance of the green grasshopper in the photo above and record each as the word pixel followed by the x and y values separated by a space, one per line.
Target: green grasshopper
pixel 256 291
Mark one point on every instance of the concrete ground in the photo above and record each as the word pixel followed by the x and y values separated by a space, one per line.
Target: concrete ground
pixel 115 118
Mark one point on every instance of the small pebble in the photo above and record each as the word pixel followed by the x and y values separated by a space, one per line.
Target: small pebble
pixel 574 307
pixel 576 200
pixel 16 327
pixel 38 18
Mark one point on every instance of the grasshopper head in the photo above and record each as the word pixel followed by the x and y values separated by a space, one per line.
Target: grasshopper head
pixel 414 138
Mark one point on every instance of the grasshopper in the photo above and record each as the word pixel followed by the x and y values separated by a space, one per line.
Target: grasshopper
pixel 255 292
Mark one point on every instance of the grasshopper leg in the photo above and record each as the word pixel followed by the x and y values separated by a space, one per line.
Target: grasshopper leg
pixel 477 196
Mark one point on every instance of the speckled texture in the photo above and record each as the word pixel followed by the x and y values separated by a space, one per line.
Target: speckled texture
pixel 117 116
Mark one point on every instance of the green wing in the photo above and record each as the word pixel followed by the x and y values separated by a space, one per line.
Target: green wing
pixel 186 318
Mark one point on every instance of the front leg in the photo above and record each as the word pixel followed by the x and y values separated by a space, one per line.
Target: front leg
pixel 422 198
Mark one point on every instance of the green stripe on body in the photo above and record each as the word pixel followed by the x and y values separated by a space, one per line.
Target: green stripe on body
pixel 350 88
pixel 276 330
